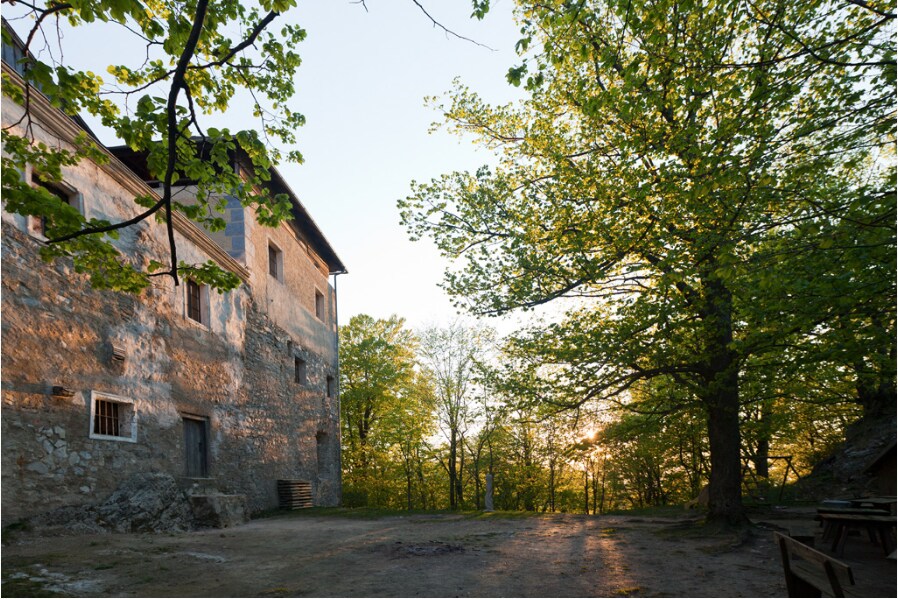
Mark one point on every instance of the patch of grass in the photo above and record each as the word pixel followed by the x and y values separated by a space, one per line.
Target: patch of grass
pixel 501 515
pixel 371 513
pixel 27 584
pixel 660 511
pixel 627 591
pixel 104 566
pixel 607 532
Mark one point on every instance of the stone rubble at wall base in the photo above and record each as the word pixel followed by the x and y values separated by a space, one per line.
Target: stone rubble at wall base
pixel 145 502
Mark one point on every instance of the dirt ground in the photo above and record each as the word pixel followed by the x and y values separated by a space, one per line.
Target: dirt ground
pixel 323 555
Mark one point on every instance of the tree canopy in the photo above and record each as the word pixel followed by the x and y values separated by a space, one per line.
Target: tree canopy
pixel 711 183
pixel 199 56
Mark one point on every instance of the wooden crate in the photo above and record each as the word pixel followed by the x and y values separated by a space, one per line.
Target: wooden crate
pixel 294 494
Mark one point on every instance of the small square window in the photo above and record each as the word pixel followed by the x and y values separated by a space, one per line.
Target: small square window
pixel 330 386
pixel 112 418
pixel 299 371
pixel 319 305
pixel 197 301
pixel 275 262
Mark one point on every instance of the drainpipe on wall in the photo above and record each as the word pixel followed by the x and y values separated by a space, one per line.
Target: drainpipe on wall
pixel 339 441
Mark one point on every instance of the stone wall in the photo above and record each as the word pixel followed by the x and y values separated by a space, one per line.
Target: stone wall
pixel 234 370
pixel 56 331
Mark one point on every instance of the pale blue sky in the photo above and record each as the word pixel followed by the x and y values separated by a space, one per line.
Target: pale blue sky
pixel 361 87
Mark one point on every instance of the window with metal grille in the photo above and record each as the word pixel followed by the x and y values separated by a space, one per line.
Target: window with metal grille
pixel 106 418
pixel 194 304
pixel 112 417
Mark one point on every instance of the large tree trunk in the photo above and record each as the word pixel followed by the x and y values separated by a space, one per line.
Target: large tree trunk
pixel 721 399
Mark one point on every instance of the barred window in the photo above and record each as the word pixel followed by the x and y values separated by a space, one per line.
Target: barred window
pixel 106 418
pixel 112 418
pixel 196 302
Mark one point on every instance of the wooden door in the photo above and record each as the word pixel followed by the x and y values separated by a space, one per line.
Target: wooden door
pixel 195 447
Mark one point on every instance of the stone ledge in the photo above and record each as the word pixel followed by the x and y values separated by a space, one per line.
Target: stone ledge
pixel 219 511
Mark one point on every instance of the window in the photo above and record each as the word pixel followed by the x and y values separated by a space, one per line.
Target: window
pixel 275 262
pixel 112 418
pixel 330 386
pixel 193 301
pixel 319 305
pixel 37 225
pixel 197 302
pixel 299 371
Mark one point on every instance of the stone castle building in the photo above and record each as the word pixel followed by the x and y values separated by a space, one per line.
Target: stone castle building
pixel 223 391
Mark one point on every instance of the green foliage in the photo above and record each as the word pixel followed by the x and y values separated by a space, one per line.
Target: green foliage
pixel 385 411
pixel 709 190
pixel 199 57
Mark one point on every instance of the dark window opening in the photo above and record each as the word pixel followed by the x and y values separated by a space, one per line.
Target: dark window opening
pixel 275 267
pixel 106 418
pixel 39 224
pixel 319 305
pixel 330 386
pixel 194 309
pixel 299 370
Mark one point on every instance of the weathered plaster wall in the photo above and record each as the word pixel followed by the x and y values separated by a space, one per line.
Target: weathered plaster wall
pixel 237 370
pixel 291 302
pixel 57 331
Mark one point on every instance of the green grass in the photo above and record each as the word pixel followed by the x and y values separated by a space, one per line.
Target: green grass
pixel 375 513
pixel 661 511
pixel 26 586
pixel 370 513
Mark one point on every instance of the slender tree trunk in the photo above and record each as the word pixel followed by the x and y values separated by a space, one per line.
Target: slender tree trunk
pixel 762 448
pixel 552 484
pixel 586 490
pixel 422 486
pixel 453 440
pixel 595 490
pixel 459 479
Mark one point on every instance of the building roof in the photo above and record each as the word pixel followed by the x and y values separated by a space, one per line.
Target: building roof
pixel 12 54
pixel 305 224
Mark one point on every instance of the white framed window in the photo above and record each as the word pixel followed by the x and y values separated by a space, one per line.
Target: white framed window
pixel 112 417
pixel 275 262
pixel 196 302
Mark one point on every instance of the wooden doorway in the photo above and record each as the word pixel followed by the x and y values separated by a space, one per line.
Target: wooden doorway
pixel 196 447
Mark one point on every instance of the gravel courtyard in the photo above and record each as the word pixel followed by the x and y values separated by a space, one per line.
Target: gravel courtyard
pixel 314 554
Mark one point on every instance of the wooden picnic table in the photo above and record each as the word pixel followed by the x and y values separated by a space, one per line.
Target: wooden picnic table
pixel 879 527
pixel 881 503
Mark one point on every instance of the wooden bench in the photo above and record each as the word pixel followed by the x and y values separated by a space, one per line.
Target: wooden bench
pixel 809 573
